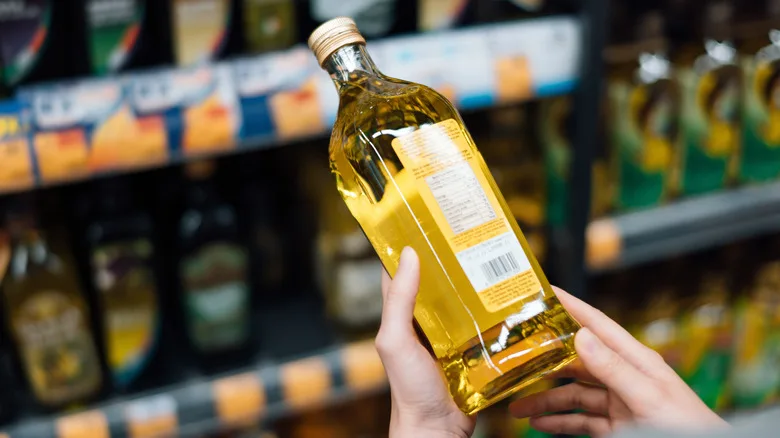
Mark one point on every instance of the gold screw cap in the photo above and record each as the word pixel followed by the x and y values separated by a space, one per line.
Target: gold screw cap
pixel 332 35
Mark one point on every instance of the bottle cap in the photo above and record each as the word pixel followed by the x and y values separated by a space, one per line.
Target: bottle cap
pixel 332 35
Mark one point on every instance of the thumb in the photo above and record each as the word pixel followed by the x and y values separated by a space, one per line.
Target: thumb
pixel 619 376
pixel 396 329
pixel 398 309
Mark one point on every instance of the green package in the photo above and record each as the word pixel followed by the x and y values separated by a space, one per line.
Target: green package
pixel 642 125
pixel 114 27
pixel 709 126
pixel 761 115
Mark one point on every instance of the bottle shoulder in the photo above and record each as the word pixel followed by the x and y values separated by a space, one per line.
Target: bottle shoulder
pixel 388 105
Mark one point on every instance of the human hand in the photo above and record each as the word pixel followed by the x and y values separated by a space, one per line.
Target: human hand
pixel 620 382
pixel 421 405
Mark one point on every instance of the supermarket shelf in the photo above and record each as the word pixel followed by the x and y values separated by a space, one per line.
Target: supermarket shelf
pixel 57 133
pixel 194 408
pixel 683 227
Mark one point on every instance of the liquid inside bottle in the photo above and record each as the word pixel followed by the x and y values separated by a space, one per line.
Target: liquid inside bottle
pixel 411 175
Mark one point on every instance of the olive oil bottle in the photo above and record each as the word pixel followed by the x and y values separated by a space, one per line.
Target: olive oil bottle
pixel 411 175
pixel 49 317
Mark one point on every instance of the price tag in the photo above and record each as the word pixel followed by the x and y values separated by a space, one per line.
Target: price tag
pixel 212 118
pixel 153 92
pixel 240 399
pixel 151 417
pixel 90 424
pixel 16 169
pixel 62 155
pixel 306 383
pixel 363 369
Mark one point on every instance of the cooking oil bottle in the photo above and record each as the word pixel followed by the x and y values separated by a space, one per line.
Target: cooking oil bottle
pixel 409 171
pixel 49 317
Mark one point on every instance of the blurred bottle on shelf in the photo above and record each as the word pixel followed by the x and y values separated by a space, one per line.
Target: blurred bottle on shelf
pixel 269 24
pixel 375 18
pixel 444 14
pixel 642 115
pixel 754 380
pixel 203 30
pixel 213 267
pixel 37 41
pixel 48 315
pixel 711 88
pixel 121 253
pixel 657 324
pixel 366 417
pixel 759 45
pixel 555 137
pixel 347 267
pixel 515 160
pixel 706 328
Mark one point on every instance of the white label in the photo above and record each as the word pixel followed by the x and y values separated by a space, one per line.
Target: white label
pixel 461 198
pixel 359 292
pixel 493 261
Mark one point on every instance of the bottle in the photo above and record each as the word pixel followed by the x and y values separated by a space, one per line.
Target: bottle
pixel 269 24
pixel 643 106
pixel 706 328
pixel 555 137
pixel 126 34
pixel 35 41
pixel 202 30
pixel 411 175
pixel 711 86
pixel 212 268
pixel 121 255
pixel 760 112
pixel 49 317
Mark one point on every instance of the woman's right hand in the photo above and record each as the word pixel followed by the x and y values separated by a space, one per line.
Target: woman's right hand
pixel 619 382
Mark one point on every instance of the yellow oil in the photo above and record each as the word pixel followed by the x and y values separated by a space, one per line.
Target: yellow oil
pixel 485 355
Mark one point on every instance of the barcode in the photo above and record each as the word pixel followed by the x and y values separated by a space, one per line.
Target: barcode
pixel 500 268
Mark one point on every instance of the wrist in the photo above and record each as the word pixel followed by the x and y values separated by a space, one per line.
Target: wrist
pixel 426 428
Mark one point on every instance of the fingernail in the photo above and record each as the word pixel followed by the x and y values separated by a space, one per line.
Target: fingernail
pixel 587 342
pixel 406 258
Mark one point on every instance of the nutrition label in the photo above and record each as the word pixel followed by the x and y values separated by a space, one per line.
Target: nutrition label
pixel 456 191
pixel 461 198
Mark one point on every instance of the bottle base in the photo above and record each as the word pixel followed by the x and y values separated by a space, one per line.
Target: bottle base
pixel 504 360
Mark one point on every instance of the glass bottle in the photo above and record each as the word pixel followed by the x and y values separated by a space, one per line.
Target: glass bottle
pixel 49 318
pixel 212 268
pixel 410 174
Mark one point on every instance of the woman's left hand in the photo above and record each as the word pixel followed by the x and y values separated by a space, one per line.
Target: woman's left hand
pixel 421 405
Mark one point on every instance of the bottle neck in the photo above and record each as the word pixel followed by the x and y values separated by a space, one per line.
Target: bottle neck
pixel 349 64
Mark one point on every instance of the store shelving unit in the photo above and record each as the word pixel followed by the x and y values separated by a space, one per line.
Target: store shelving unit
pixel 682 227
pixel 559 55
pixel 265 392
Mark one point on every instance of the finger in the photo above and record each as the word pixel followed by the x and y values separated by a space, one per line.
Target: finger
pixel 636 389
pixel 574 396
pixel 573 424
pixel 396 330
pixel 614 336
pixel 575 371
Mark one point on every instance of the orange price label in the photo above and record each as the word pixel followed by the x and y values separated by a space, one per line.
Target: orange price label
pixel 363 370
pixel 239 399
pixel 210 127
pixel 513 79
pixel 16 169
pixel 62 155
pixel 90 424
pixel 306 383
pixel 151 417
